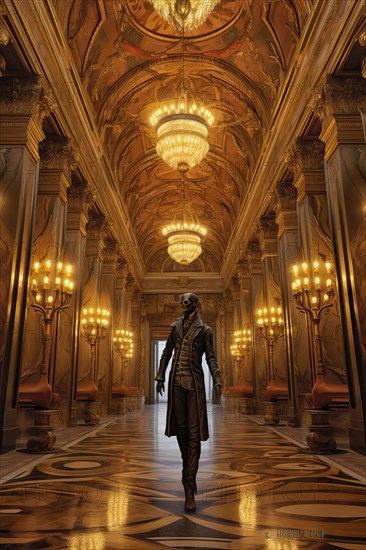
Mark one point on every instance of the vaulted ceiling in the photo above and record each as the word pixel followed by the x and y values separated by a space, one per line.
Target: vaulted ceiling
pixel 129 60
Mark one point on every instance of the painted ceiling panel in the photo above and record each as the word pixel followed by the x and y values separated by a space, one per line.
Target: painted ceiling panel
pixel 131 60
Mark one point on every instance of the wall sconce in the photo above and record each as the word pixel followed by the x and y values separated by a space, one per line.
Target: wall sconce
pixel 270 327
pixel 123 346
pixel 94 325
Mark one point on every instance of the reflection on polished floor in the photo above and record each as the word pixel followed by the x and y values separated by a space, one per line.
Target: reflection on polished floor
pixel 120 488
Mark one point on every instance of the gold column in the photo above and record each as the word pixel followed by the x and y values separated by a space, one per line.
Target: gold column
pixel 135 324
pixel 252 256
pixel 338 103
pixel 80 198
pixel 143 345
pixel 108 301
pixel 57 158
pixel 121 278
pixel 307 160
pixel 96 230
pixel 267 232
pixel 295 335
pixel 246 316
pixel 24 103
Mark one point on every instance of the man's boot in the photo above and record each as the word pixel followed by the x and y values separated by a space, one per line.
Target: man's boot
pixel 190 487
pixel 183 446
pixel 190 504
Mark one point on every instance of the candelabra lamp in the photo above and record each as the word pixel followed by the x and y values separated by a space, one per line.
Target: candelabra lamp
pixel 123 346
pixel 94 326
pixel 240 350
pixel 121 392
pixel 51 291
pixel 270 328
pixel 314 295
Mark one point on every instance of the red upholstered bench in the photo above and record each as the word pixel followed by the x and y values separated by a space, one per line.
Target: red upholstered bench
pixel 242 390
pixel 120 390
pixel 36 393
pixel 325 395
pixel 276 391
pixel 86 390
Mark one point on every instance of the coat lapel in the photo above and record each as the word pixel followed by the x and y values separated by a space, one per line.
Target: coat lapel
pixel 179 325
pixel 195 327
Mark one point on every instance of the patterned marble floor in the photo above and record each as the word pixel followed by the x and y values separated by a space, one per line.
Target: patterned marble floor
pixel 120 489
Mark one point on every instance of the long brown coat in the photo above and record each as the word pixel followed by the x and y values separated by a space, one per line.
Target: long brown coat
pixel 200 342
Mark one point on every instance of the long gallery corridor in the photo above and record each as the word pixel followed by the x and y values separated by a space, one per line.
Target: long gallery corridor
pixel 119 488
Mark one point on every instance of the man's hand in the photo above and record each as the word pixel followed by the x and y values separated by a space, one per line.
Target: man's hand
pixel 218 389
pixel 160 387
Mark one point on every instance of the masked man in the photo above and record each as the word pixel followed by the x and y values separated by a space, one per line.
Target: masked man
pixel 186 418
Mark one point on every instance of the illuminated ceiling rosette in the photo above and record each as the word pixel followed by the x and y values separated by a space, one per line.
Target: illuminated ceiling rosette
pixel 184 15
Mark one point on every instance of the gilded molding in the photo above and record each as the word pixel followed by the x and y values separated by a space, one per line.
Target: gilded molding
pixel 32 97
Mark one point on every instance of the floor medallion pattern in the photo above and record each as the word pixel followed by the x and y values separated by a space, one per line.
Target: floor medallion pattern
pixel 120 489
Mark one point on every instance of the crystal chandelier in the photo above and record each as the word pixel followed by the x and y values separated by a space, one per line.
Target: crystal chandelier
pixel 182 128
pixel 182 132
pixel 184 14
pixel 184 235
pixel 184 241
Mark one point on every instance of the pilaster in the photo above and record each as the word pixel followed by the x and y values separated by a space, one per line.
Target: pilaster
pixel 268 242
pixel 107 301
pixel 294 335
pixel 344 100
pixel 23 105
pixel 80 199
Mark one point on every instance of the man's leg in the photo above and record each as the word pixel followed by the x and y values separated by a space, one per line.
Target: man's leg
pixel 194 449
pixel 180 413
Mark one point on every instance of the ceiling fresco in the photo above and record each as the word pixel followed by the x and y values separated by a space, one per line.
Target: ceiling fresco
pixel 130 61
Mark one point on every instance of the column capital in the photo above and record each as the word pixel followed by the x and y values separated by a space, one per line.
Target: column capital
pixel 24 103
pixel 334 95
pixel 234 286
pixel 252 255
pixel 97 226
pixel 96 231
pixel 243 272
pixel 57 159
pixel 338 102
pixel 121 274
pixel 306 159
pixel 80 200
pixel 110 253
pixel 267 233
pixel 286 215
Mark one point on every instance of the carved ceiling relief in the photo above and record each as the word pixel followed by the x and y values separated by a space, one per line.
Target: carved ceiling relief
pixel 130 59
pixel 170 303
